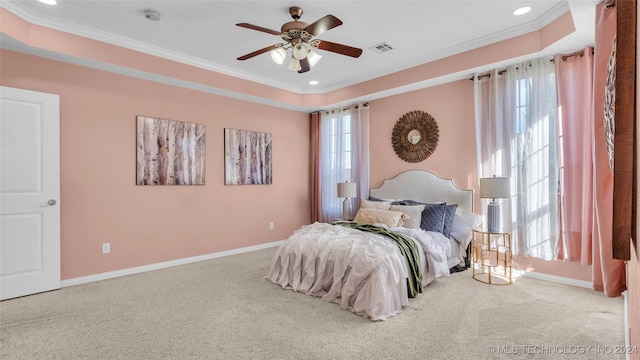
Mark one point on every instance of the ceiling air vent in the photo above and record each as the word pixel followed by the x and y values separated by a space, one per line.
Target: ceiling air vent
pixel 381 48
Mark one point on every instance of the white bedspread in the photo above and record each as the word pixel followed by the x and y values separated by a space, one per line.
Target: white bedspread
pixel 437 249
pixel 362 272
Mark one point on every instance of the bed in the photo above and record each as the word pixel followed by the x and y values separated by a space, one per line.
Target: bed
pixel 389 253
pixel 427 187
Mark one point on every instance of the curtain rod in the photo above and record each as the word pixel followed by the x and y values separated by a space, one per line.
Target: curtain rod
pixel 564 58
pixel 577 53
pixel 345 108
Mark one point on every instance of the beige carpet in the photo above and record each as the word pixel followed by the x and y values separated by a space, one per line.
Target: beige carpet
pixel 225 309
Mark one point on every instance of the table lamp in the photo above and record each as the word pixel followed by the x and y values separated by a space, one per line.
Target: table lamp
pixel 347 191
pixel 494 188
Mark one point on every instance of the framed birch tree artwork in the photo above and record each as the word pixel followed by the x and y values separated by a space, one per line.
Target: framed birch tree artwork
pixel 247 157
pixel 169 152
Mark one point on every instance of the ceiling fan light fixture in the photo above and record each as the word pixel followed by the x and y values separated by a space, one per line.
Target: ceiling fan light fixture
pixel 300 51
pixel 298 36
pixel 294 64
pixel 313 58
pixel 278 55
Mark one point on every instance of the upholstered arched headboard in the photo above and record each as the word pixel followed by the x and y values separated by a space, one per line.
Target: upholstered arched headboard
pixel 423 186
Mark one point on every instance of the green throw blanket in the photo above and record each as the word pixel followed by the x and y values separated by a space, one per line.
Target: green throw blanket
pixel 409 251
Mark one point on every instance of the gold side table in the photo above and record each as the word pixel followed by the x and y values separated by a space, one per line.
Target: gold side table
pixel 492 258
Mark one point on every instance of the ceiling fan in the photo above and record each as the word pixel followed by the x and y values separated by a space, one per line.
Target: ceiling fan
pixel 296 34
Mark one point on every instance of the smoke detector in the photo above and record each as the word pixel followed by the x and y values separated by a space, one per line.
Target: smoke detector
pixel 152 14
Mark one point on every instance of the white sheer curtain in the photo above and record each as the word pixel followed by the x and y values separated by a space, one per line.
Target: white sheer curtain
pixel 517 136
pixel 344 156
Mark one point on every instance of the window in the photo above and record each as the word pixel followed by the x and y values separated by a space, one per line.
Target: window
pixel 336 157
pixel 341 145
pixel 516 127
pixel 534 166
pixel 344 156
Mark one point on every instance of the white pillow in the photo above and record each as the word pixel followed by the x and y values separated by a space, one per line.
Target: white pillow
pixel 473 219
pixel 463 224
pixel 369 204
pixel 413 212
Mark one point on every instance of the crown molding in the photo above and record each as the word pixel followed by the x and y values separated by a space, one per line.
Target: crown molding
pixel 534 25
pixel 120 41
pixel 15 45
pixel 20 11
pixel 116 40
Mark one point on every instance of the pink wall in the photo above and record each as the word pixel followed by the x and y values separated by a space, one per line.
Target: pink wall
pixel 48 39
pixel 507 49
pixel 206 218
pixel 101 203
pixel 81 47
pixel 148 224
pixel 571 270
pixel 451 105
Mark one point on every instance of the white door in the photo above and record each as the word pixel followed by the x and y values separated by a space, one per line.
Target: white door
pixel 29 192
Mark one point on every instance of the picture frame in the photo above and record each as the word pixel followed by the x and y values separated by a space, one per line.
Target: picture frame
pixel 169 152
pixel 248 157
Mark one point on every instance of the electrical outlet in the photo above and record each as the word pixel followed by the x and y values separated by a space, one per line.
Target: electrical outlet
pixel 270 226
pixel 106 248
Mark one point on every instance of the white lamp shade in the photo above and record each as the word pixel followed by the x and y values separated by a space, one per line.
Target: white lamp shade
pixel 294 64
pixel 278 55
pixel 346 190
pixel 300 52
pixel 495 187
pixel 313 58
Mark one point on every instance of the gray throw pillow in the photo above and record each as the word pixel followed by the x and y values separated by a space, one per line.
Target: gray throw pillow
pixel 448 219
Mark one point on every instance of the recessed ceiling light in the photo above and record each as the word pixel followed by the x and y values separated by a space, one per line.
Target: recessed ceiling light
pixel 521 11
pixel 313 82
pixel 49 2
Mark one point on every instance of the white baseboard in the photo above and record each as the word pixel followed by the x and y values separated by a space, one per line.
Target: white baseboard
pixel 559 279
pixel 627 341
pixel 165 264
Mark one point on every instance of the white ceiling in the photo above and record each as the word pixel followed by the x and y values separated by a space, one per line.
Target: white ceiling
pixel 203 33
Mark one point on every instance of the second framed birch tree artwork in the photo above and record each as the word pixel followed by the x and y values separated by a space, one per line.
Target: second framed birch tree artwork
pixel 169 152
pixel 247 157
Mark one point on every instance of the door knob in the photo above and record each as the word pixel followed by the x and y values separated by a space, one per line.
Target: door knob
pixel 49 203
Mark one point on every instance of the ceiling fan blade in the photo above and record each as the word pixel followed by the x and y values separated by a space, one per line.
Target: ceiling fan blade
pixel 337 48
pixel 304 63
pixel 259 28
pixel 261 51
pixel 323 24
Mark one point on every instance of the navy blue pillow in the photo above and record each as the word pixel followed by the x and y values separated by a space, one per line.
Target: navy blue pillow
pixel 448 219
pixel 433 215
